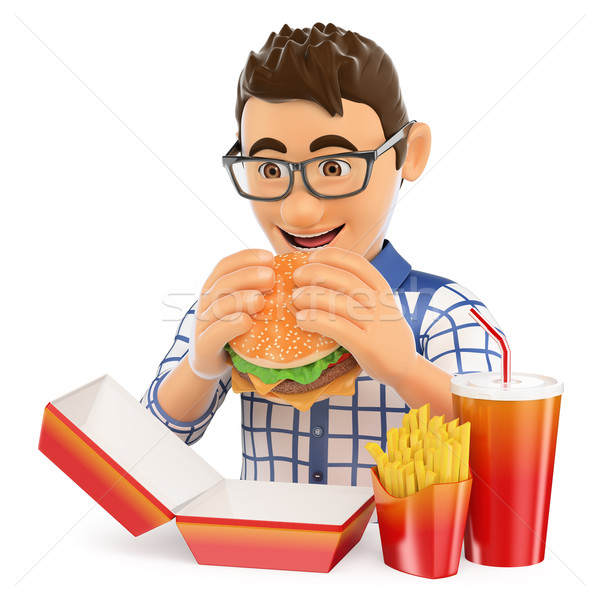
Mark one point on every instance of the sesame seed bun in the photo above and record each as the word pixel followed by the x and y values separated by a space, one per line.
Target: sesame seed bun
pixel 275 341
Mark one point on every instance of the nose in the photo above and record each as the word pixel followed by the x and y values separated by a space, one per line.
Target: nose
pixel 301 209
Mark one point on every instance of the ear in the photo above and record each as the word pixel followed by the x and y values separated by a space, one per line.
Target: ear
pixel 419 145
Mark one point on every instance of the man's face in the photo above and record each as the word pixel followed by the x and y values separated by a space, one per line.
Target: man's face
pixel 357 223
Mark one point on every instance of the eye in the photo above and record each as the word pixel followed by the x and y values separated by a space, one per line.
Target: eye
pixel 270 170
pixel 334 168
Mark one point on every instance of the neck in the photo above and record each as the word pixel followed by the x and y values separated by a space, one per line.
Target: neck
pixel 375 248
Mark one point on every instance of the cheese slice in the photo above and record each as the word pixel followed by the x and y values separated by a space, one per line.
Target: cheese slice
pixel 262 388
pixel 344 385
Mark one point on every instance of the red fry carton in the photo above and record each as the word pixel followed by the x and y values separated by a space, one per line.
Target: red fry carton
pixel 144 476
pixel 422 534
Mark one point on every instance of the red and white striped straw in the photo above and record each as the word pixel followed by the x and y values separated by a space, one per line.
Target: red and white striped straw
pixel 501 339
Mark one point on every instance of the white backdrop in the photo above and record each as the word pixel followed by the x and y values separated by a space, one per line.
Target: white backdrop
pixel 113 119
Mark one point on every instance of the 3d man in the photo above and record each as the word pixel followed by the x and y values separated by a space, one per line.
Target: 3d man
pixel 317 92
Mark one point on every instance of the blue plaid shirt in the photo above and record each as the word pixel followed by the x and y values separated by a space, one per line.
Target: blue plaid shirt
pixel 326 444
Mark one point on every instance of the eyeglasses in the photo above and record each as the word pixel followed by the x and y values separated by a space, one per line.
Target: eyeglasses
pixel 331 176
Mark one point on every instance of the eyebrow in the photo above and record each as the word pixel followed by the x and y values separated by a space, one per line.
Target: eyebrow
pixel 326 141
pixel 267 143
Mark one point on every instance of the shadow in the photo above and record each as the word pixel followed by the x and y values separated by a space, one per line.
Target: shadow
pixel 165 543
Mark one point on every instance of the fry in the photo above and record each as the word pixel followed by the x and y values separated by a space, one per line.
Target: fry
pixel 423 419
pixel 446 463
pixel 435 423
pixel 437 461
pixel 374 450
pixel 456 448
pixel 429 458
pixel 430 478
pixel 380 457
pixel 394 476
pixel 428 442
pixel 415 438
pixel 388 478
pixel 392 444
pixel 413 420
pixel 394 479
pixel 403 441
pixel 401 482
pixel 420 473
pixel 465 436
pixel 451 427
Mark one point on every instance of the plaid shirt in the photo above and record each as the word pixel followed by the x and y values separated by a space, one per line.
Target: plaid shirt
pixel 326 444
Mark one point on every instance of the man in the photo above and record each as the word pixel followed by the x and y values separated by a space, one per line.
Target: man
pixel 309 93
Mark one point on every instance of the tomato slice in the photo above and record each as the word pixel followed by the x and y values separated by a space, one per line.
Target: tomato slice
pixel 340 359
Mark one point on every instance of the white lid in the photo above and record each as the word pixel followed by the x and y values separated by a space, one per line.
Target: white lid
pixel 138 442
pixel 488 386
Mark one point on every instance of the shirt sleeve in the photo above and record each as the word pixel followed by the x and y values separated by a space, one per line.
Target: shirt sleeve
pixel 451 339
pixel 188 431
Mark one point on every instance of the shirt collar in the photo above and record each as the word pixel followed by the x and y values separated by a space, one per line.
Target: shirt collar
pixel 391 265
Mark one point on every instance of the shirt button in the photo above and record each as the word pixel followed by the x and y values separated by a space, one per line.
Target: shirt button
pixel 317 476
pixel 317 431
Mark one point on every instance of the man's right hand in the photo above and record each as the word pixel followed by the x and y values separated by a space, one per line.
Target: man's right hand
pixel 232 292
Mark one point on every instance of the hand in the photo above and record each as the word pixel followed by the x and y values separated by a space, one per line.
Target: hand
pixel 342 295
pixel 232 292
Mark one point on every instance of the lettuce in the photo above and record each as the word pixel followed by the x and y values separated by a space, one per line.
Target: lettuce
pixel 304 375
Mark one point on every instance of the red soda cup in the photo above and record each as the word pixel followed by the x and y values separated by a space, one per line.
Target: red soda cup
pixel 513 442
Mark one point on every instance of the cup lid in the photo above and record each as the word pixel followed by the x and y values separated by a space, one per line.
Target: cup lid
pixel 488 386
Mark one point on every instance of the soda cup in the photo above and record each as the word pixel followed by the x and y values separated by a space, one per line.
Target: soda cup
pixel 513 441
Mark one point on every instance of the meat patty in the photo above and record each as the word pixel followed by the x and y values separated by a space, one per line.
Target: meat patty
pixel 289 386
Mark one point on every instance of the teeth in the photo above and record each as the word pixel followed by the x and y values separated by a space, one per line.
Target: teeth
pixel 309 235
pixel 304 249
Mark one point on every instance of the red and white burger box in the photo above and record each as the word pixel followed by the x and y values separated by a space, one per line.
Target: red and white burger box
pixel 144 476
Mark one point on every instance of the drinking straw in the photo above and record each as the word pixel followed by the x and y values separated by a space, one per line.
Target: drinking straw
pixel 501 339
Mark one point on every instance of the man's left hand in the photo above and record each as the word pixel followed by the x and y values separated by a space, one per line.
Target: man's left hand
pixel 342 295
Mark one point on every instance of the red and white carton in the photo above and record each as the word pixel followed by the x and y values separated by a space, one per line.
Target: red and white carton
pixel 144 476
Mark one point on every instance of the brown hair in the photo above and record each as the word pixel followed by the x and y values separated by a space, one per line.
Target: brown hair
pixel 325 64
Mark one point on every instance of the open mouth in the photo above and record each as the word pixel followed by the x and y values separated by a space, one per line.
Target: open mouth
pixel 310 241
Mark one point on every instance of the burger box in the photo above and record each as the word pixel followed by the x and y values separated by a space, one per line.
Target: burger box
pixel 144 476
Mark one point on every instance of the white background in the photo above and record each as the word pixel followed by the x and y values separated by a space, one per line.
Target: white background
pixel 113 119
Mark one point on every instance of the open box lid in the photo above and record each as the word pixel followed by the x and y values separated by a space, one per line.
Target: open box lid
pixel 128 461
pixel 143 474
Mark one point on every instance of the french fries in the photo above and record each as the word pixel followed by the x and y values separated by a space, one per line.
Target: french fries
pixel 423 452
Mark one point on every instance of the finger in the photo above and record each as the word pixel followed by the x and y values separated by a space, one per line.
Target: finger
pixel 237 261
pixel 319 298
pixel 337 328
pixel 248 301
pixel 217 334
pixel 248 278
pixel 334 278
pixel 350 261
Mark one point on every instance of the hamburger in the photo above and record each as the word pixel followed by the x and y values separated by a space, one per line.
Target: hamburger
pixel 281 361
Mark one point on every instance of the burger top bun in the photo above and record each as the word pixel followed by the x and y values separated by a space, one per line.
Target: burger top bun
pixel 275 341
